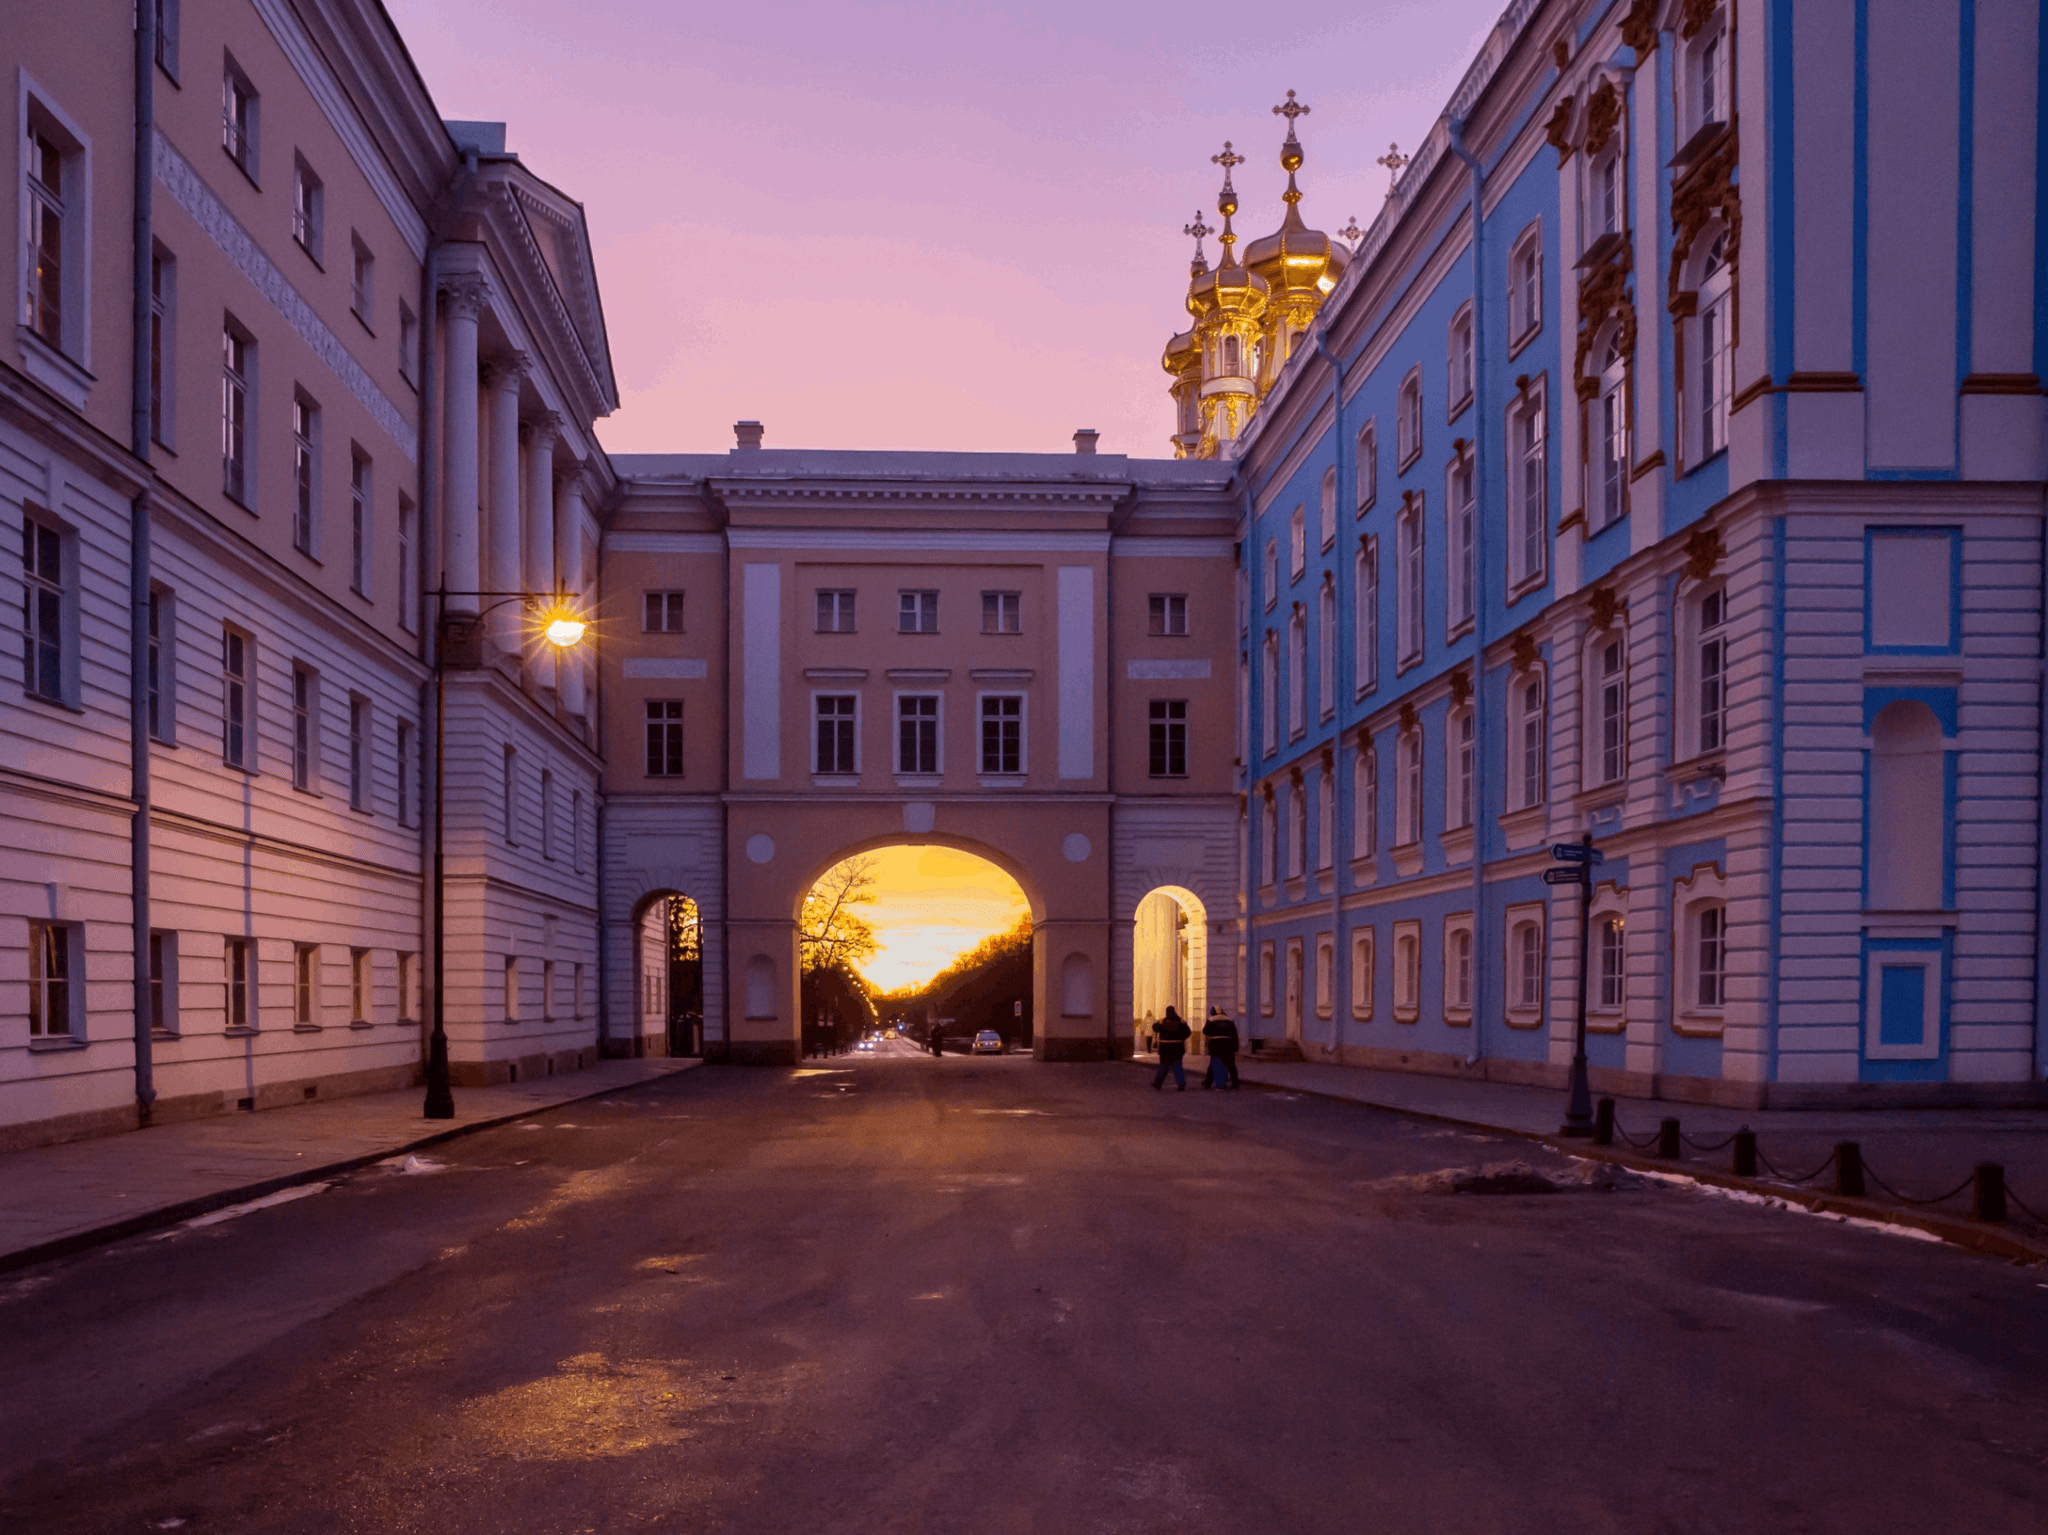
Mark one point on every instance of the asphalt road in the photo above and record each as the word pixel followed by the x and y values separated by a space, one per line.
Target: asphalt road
pixel 900 1294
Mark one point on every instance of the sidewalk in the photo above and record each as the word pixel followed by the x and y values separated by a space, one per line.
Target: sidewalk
pixel 1918 1152
pixel 61 1199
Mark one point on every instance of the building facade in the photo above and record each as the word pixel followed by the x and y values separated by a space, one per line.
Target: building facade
pixel 1693 501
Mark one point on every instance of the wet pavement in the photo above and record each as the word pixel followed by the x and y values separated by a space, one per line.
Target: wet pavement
pixel 901 1294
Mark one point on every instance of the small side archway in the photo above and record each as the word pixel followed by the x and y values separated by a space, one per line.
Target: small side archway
pixel 1169 959
pixel 668 975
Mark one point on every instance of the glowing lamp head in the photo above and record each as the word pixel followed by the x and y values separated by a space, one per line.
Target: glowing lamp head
pixel 563 629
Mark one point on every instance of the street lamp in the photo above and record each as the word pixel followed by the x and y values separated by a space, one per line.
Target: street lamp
pixel 458 646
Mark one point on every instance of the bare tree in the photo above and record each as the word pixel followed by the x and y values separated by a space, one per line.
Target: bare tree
pixel 832 933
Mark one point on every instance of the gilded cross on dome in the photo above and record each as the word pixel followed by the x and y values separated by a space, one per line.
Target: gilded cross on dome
pixel 1227 160
pixel 1198 229
pixel 1351 234
pixel 1291 109
pixel 1395 162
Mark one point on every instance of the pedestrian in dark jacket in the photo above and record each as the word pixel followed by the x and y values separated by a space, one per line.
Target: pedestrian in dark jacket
pixel 1220 1034
pixel 1173 1034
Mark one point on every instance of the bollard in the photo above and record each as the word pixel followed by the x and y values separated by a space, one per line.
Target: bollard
pixel 1849 1169
pixel 1603 1122
pixel 1667 1140
pixel 1745 1152
pixel 1987 1199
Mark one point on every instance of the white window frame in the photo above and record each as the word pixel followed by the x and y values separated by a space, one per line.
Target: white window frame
pixel 1610 904
pixel 1326 975
pixel 1407 970
pixel 1297 545
pixel 405 739
pixel 163 345
pixel 362 986
pixel 1159 716
pixel 408 569
pixel 911 605
pixel 1365 665
pixel 241 140
pixel 163 664
pixel 1327 526
pixel 1326 647
pixel 39 591
pixel 163 982
pixel 306 474
pixel 547 814
pixel 1606 762
pixel 1326 815
pixel 1297 827
pixel 1458 977
pixel 1704 648
pixel 55 1017
pixel 308 1005
pixel 1269 694
pixel 1023 702
pixel 1704 891
pixel 1461 536
pixel 938 717
pixel 1525 287
pixel 240 983
pixel 1362 977
pixel 508 789
pixel 240 357
pixel 1297 672
pixel 1266 978
pixel 1525 989
pixel 309 209
pixel 1272 573
pixel 1458 362
pixel 1408 787
pixel 1410 595
pixel 1005 609
pixel 1367 467
pixel 818 767
pixel 1461 730
pixel 1528 445
pixel 1408 421
pixel 1707 382
pixel 238 701
pixel 1704 101
pixel 1269 840
pixel 1365 801
pixel 1607 437
pixel 1166 615
pixel 1528 740
pixel 73 201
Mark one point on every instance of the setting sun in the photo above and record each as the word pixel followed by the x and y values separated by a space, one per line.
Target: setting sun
pixel 932 904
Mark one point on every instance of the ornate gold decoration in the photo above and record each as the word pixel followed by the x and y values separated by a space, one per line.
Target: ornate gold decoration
pixel 1558 131
pixel 1603 114
pixel 1695 15
pixel 1703 189
pixel 1639 27
pixel 1523 653
pixel 1461 688
pixel 1607 607
pixel 1406 718
pixel 1703 552
pixel 1604 295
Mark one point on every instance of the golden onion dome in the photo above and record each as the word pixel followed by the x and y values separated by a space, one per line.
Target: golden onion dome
pixel 1230 289
pixel 1181 354
pixel 1296 259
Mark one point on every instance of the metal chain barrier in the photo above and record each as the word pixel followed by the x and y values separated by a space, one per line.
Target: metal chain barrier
pixel 1726 1140
pixel 2025 1209
pixel 1806 1178
pixel 1646 1141
pixel 1908 1199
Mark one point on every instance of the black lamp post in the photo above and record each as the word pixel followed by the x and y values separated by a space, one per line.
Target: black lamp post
pixel 458 646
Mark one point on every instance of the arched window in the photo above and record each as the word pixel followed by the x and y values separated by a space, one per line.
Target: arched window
pixel 1525 964
pixel 1460 516
pixel 1458 362
pixel 1365 802
pixel 1326 814
pixel 1368 465
pixel 1408 423
pixel 1232 364
pixel 1408 602
pixel 1525 286
pixel 1458 735
pixel 1272 572
pixel 1908 793
pixel 1297 672
pixel 1266 979
pixel 1329 507
pixel 1297 827
pixel 1365 664
pixel 1326 647
pixel 1458 967
pixel 1610 958
pixel 1361 973
pixel 1297 544
pixel 1607 711
pixel 1269 695
pixel 1269 839
pixel 1528 741
pixel 1715 352
pixel 1408 793
pixel 1407 971
pixel 1609 468
pixel 1326 974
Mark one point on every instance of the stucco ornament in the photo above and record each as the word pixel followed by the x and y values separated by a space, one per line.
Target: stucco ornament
pixel 1076 847
pixel 760 847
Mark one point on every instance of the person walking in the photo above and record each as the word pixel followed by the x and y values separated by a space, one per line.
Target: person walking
pixel 1173 1034
pixel 1220 1035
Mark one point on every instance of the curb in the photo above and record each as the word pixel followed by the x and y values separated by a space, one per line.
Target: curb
pixel 205 1204
pixel 1958 1231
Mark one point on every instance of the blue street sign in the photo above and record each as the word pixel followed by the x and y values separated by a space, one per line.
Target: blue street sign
pixel 1570 874
pixel 1575 852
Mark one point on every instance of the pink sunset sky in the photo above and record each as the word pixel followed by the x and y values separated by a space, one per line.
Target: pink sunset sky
pixel 922 226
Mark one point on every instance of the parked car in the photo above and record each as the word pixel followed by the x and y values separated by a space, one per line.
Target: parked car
pixel 988 1042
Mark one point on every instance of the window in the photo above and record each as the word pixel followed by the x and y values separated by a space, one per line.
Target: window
pixel 1528 743
pixel 1169 737
pixel 1713 669
pixel 1326 648
pixel 1362 978
pixel 547 988
pixel 305 472
pixel 362 269
pixel 1703 83
pixel 239 118
pixel 241 988
pixel 359 985
pixel 1365 802
pixel 1906 860
pixel 162 678
pixel 1168 614
pixel 1232 364
pixel 408 343
pixel 665 738
pixel 1458 770
pixel 1266 979
pixel 1002 733
pixel 46 615
pixel 408 982
pixel 406 750
pixel 54 212
pixel 1607 209
pixel 1297 544
pixel 305 725
pixel 305 985
pixel 1459 516
pixel 1528 491
pixel 1269 839
pixel 163 345
pixel 1365 664
pixel 1328 524
pixel 163 982
pixel 837 733
pixel 1326 974
pixel 1458 362
pixel 1610 460
pixel 1269 691
pixel 49 980
pixel 1297 672
pixel 1368 465
pixel 1326 815
pixel 1408 422
pixel 1001 613
pixel 508 797
pixel 238 374
pixel 1525 287
pixel 408 570
pixel 238 674
pixel 1408 793
pixel 1710 968
pixel 1407 971
pixel 1458 969
pixel 359 531
pixel 1610 946
pixel 359 754
pixel 308 205
pixel 835 611
pixel 1408 600
pixel 1525 962
pixel 1610 711
pixel 1297 827
pixel 662 613
pixel 1716 301
pixel 917 733
pixel 917 612
pixel 1272 573
pixel 167 37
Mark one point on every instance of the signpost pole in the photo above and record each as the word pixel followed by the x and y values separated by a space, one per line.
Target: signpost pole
pixel 1578 1114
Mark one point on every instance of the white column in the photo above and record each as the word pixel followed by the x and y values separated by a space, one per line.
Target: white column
pixel 461 542
pixel 502 566
pixel 540 531
pixel 569 562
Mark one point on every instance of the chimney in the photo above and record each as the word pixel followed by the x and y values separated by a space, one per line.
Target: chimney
pixel 1084 440
pixel 749 433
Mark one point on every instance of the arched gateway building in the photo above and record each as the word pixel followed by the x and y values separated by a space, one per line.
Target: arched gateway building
pixel 810 654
